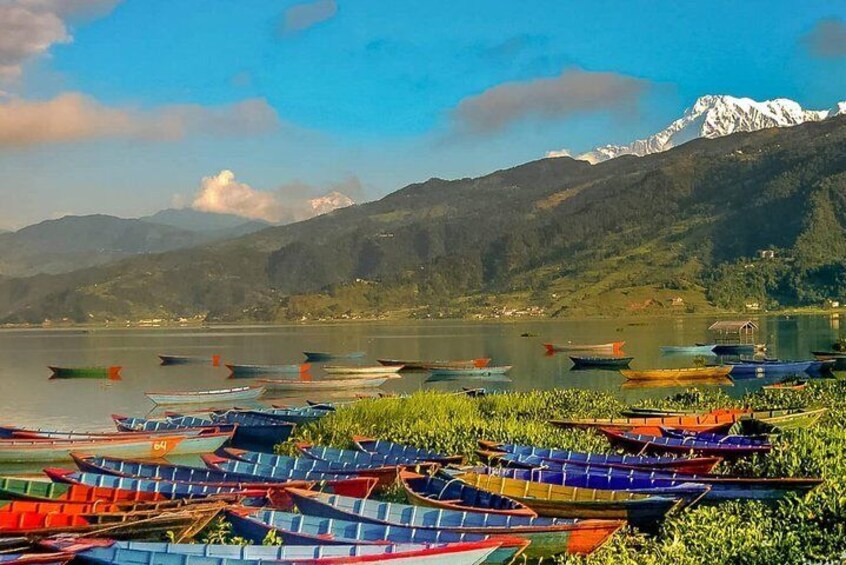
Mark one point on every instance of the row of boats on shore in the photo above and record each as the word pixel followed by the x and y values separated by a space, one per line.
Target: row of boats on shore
pixel 122 500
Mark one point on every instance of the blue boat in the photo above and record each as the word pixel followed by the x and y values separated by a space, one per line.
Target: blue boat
pixel 326 453
pixel 685 445
pixel 710 488
pixel 319 356
pixel 514 454
pixel 439 492
pixel 406 452
pixel 108 552
pixel 299 529
pixel 546 534
pixel 298 416
pixel 253 370
pixel 252 431
pixel 310 467
pixel 758 440
pixel 168 489
pixel 767 368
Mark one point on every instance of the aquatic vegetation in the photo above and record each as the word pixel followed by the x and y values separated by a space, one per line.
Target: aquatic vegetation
pixel 796 530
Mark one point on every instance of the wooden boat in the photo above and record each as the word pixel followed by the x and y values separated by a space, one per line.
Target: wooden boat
pixel 303 530
pixel 707 349
pixel 544 533
pixel 57 558
pixel 112 373
pixel 326 356
pixel 152 447
pixel 114 553
pixel 432 365
pixel 294 467
pixel 759 369
pixel 614 347
pixel 643 443
pixel 207 396
pixel 839 358
pixel 349 486
pixel 293 385
pixel 526 456
pixel 638 412
pixel 435 492
pixel 339 458
pixel 787 385
pixel 713 488
pixel 685 373
pixel 12 432
pixel 472 371
pixel 642 511
pixel 784 419
pixel 250 370
pixel 403 452
pixel 179 524
pixel 696 423
pixel 732 439
pixel 189 360
pixel 361 369
pixel 23 489
pixel 294 415
pixel 606 362
pixel 738 348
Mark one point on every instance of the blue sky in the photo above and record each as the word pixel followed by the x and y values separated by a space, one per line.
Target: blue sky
pixel 145 97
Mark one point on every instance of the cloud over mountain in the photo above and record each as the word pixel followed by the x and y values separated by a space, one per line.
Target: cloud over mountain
pixel 574 91
pixel 223 194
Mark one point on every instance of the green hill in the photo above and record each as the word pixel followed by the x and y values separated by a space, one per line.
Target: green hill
pixel 557 235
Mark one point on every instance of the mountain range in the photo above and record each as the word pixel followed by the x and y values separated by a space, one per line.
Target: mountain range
pixel 678 228
pixel 711 117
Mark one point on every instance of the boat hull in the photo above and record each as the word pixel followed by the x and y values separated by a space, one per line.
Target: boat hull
pixel 293 385
pixel 148 447
pixel 111 373
pixel 206 396
pixel 249 370
pixel 670 374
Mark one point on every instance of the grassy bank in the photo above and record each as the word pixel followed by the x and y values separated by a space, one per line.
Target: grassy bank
pixel 808 529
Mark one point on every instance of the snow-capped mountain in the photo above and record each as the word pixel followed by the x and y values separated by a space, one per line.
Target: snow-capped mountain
pixel 329 202
pixel 714 116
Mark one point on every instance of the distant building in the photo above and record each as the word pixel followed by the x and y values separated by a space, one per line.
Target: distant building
pixel 766 253
pixel 831 303
pixel 677 301
pixel 753 306
pixel 734 331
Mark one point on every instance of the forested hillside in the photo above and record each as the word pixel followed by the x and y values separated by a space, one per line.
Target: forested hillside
pixel 563 236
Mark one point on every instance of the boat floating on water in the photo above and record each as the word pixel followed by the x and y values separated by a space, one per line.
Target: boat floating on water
pixel 434 365
pixel 204 396
pixel 189 360
pixel 250 370
pixel 328 356
pixel 111 372
pixel 293 385
pixel 716 372
pixel 615 347
pixel 601 362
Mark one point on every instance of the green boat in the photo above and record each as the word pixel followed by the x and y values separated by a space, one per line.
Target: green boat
pixel 786 419
pixel 111 373
pixel 23 489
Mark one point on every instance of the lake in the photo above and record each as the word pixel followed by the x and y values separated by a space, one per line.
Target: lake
pixel 29 398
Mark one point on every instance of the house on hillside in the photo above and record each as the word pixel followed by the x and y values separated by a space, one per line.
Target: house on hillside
pixel 766 254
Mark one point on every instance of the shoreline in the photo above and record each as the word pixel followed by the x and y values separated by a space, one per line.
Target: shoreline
pixel 629 319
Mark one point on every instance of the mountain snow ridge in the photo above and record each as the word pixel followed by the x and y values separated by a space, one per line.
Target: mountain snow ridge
pixel 713 116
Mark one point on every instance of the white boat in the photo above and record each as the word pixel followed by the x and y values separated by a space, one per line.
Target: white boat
pixel 362 369
pixel 325 384
pixel 210 396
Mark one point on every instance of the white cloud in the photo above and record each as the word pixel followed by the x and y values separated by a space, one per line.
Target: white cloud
pixel 73 117
pixel 28 28
pixel 223 194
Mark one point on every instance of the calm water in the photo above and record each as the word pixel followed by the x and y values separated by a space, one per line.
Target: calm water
pixel 28 397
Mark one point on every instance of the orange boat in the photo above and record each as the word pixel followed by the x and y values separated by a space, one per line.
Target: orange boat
pixel 717 421
pixel 614 347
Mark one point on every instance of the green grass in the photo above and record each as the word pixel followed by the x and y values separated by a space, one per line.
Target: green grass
pixel 796 530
